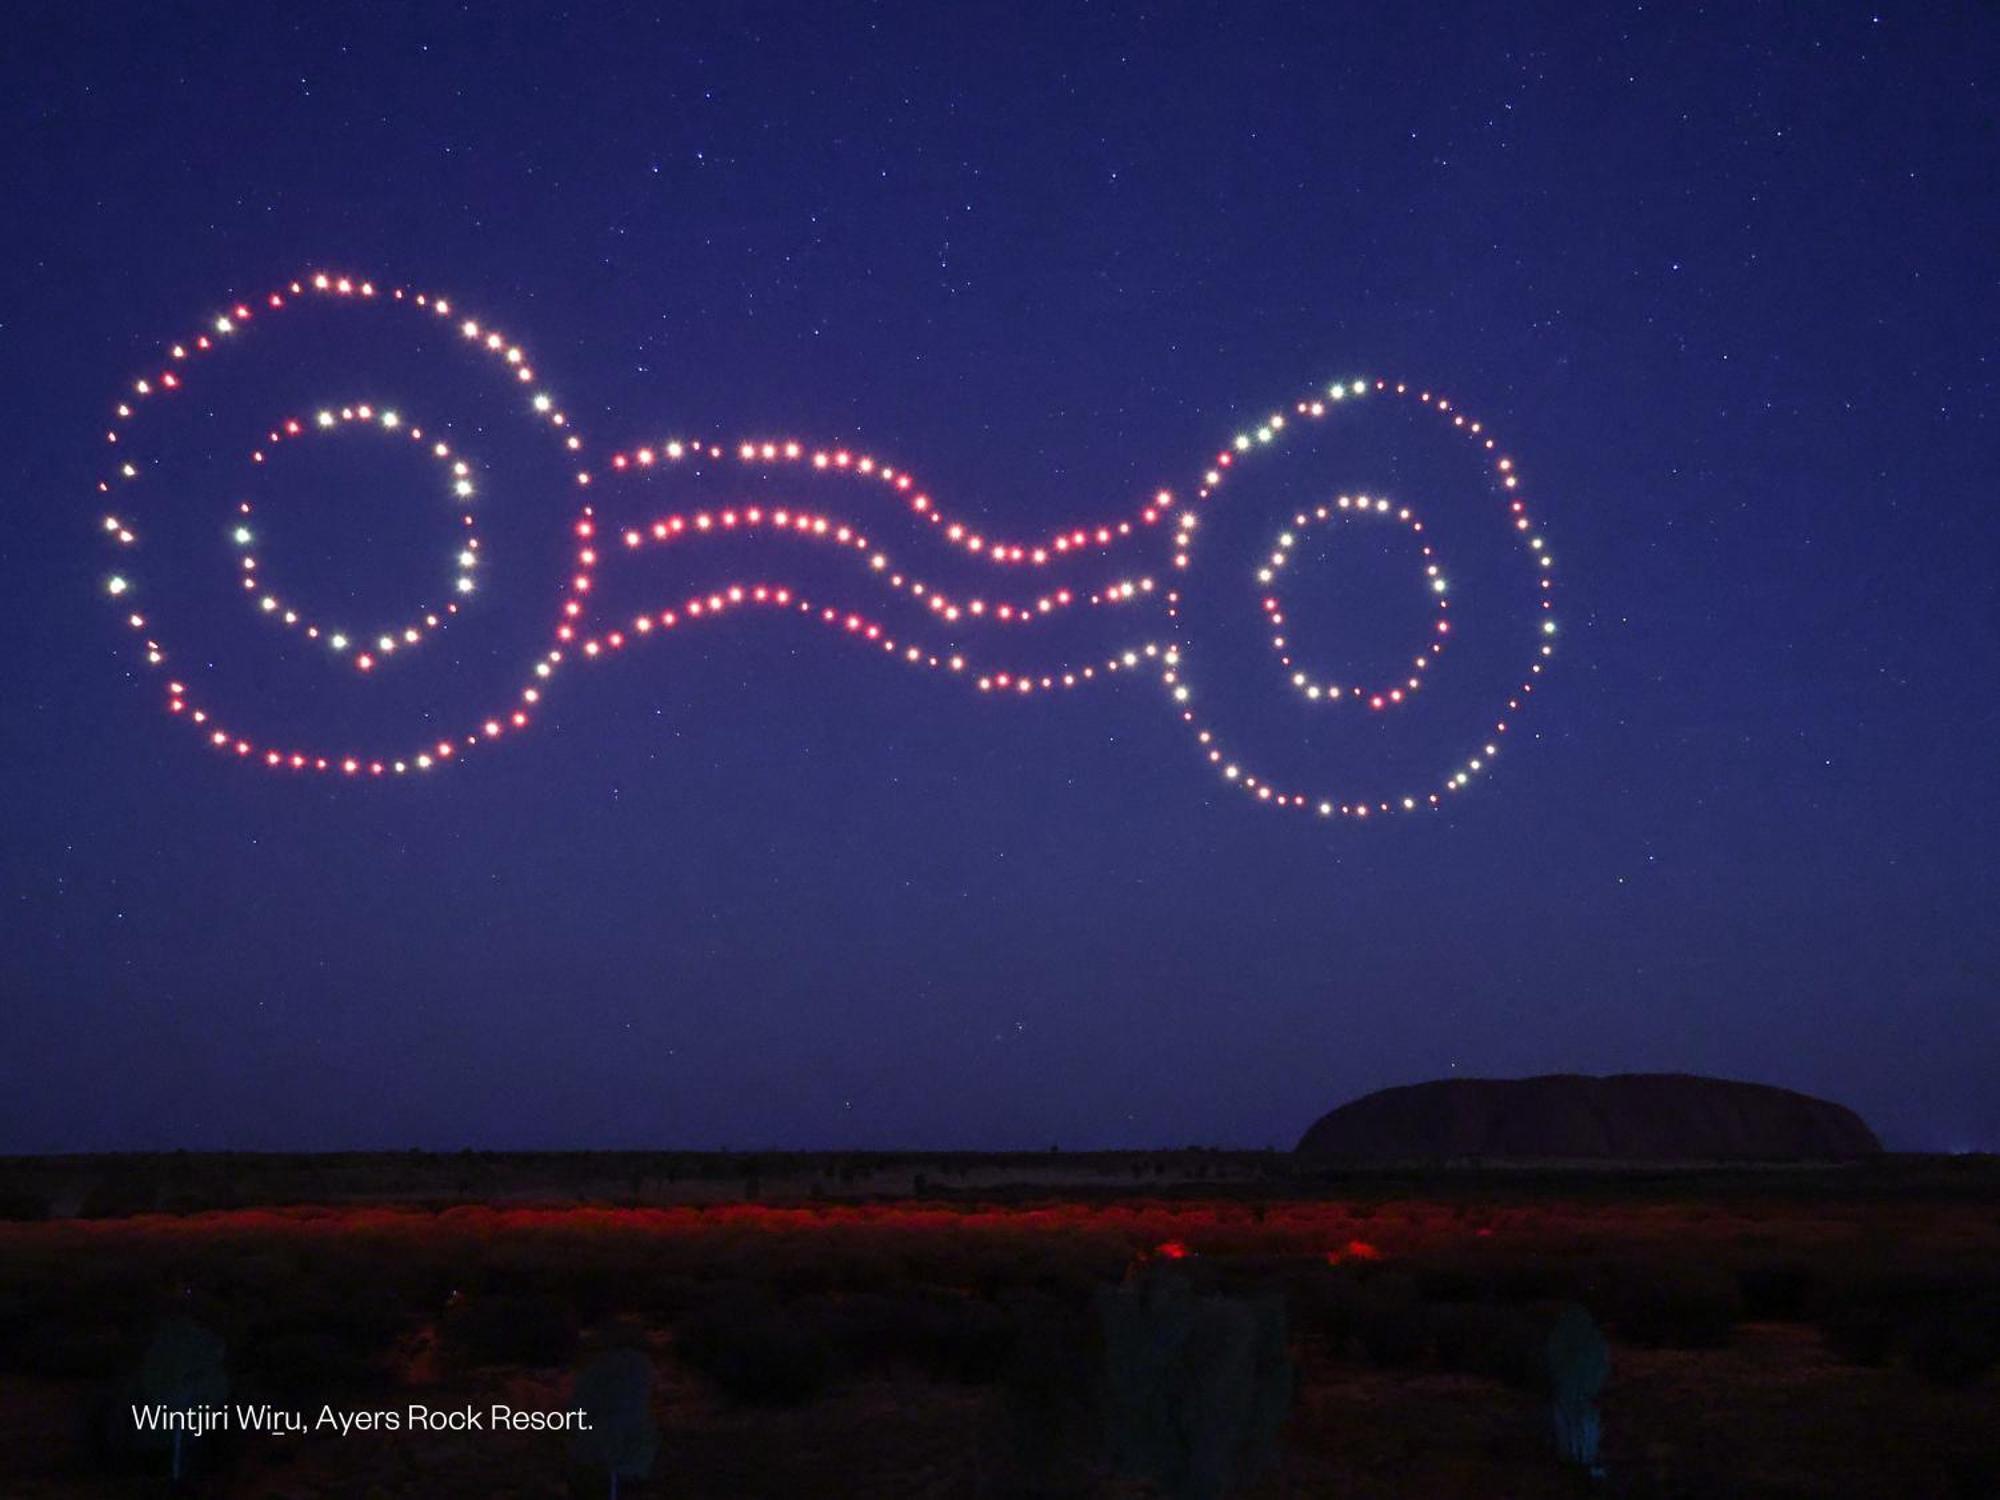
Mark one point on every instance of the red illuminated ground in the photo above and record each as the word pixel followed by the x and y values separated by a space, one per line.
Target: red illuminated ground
pixel 1788 1334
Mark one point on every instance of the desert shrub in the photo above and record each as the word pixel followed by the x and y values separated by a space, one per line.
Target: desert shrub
pixel 93 1326
pixel 1395 1336
pixel 1323 1313
pixel 1776 1291
pixel 1046 1434
pixel 114 1197
pixel 1677 1309
pixel 499 1328
pixel 1392 1323
pixel 1905 1293
pixel 1945 1326
pixel 1972 1476
pixel 805 1277
pixel 1537 1280
pixel 595 1293
pixel 663 1296
pixel 1326 1308
pixel 1953 1346
pixel 305 1362
pixel 754 1351
pixel 89 1325
pixel 310 1335
pixel 1481 1338
pixel 945 1335
pixel 1453 1283
pixel 53 1348
pixel 1858 1333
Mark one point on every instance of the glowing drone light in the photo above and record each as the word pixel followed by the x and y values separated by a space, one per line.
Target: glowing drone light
pixel 604 529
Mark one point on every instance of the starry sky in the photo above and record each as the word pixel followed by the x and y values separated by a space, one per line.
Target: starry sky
pixel 1725 280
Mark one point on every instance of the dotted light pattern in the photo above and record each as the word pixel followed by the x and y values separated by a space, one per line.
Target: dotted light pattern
pixel 1180 678
pixel 365 644
pixel 815 527
pixel 1147 599
pixel 1312 687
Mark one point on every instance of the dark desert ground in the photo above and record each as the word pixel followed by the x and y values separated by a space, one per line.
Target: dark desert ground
pixel 864 1325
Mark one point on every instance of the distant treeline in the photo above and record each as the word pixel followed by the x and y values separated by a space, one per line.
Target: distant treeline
pixel 111 1186
pixel 114 1186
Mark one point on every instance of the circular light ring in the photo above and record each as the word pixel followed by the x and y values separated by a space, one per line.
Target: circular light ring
pixel 131 466
pixel 361 647
pixel 1067 547
pixel 1167 654
pixel 1182 683
pixel 1314 689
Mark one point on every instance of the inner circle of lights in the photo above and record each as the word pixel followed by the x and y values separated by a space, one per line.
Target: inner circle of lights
pixel 1312 688
pixel 1125 600
pixel 360 647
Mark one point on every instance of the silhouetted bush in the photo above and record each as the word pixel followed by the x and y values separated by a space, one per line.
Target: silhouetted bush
pixel 663 1296
pixel 1945 1326
pixel 943 1334
pixel 308 1363
pixel 77 1325
pixel 1953 1346
pixel 1499 1343
pixel 1327 1308
pixel 1973 1476
pixel 486 1328
pixel 1775 1292
pixel 1453 1283
pixel 308 1337
pixel 1536 1281
pixel 1858 1333
pixel 1049 1421
pixel 1391 1322
pixel 50 1348
pixel 1689 1309
pixel 755 1351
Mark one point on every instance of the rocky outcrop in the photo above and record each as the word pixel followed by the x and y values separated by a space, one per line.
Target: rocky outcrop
pixel 1626 1117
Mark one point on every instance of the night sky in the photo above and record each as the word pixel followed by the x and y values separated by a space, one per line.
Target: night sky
pixel 1726 282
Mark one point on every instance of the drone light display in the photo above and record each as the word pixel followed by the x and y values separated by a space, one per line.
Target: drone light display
pixel 365 644
pixel 1134 573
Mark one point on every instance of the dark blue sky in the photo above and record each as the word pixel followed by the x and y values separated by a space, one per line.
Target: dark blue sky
pixel 1725 281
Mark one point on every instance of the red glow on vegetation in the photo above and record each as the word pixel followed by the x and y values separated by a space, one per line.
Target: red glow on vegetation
pixel 1356 1250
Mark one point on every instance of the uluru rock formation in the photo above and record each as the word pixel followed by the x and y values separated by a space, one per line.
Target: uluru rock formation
pixel 1566 1116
